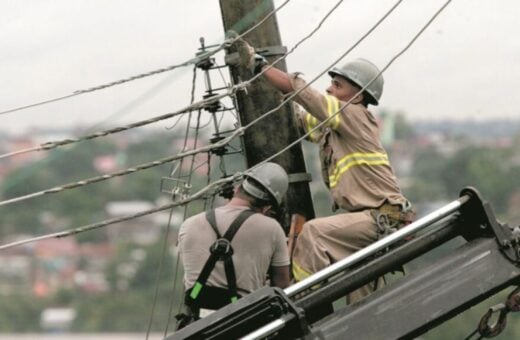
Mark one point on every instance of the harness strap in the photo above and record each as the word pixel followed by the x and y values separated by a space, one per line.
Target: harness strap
pixel 217 253
pixel 210 216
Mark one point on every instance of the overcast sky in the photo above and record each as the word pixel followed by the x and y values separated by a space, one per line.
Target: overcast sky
pixel 465 65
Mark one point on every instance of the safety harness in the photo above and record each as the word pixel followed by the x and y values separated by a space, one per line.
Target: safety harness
pixel 208 297
pixel 389 218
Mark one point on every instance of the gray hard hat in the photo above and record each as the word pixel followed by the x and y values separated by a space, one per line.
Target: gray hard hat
pixel 272 177
pixel 361 72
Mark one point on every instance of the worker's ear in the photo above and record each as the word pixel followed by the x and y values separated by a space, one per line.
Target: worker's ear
pixel 265 210
pixel 358 99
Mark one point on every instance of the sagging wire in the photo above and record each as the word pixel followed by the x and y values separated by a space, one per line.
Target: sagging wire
pixel 191 61
pixel 201 104
pixel 215 186
pixel 191 107
pixel 232 111
pixel 206 66
pixel 192 96
pixel 504 310
pixel 218 183
pixel 54 144
pixel 174 168
pixel 23 174
pixel 209 202
pixel 185 215
pixel 308 36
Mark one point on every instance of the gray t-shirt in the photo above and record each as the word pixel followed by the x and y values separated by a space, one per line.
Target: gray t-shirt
pixel 259 243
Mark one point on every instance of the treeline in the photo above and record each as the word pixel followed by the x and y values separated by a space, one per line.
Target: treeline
pixel 437 173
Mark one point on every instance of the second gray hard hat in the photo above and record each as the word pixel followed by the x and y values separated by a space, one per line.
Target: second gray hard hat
pixel 361 72
pixel 272 177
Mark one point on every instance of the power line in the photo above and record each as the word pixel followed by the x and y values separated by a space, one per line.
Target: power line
pixel 24 173
pixel 238 175
pixel 291 95
pixel 191 61
pixel 170 216
pixel 221 142
pixel 128 171
pixel 185 215
pixel 52 145
pixel 318 126
pixel 88 227
pixel 201 104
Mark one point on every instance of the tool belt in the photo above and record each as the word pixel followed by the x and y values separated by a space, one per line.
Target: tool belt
pixel 391 217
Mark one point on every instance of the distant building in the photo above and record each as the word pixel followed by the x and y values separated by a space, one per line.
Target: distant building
pixel 57 320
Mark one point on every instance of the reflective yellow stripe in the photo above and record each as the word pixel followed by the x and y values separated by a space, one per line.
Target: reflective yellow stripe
pixel 354 159
pixel 332 109
pixel 311 122
pixel 299 273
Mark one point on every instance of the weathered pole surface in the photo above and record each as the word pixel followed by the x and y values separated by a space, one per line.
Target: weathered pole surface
pixel 272 134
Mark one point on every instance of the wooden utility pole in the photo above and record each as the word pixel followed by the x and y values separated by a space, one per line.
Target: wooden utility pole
pixel 272 134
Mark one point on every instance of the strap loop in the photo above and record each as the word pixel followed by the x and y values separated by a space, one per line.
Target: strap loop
pixel 221 247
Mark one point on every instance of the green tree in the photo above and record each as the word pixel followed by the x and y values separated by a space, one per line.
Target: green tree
pixel 488 170
pixel 427 182
pixel 21 313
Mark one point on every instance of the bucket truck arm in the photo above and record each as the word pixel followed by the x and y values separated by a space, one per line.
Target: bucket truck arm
pixel 485 264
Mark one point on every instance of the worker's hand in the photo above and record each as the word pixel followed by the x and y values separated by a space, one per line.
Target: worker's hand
pixel 248 57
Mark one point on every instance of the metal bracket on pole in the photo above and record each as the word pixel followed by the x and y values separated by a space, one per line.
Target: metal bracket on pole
pixel 300 177
pixel 233 59
pixel 271 51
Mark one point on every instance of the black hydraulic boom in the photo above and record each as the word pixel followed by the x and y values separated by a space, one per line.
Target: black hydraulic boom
pixel 486 263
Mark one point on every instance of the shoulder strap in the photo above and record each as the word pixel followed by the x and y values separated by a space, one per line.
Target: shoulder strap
pixel 229 266
pixel 226 257
pixel 237 223
pixel 210 216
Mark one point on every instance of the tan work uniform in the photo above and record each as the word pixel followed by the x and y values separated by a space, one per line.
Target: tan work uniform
pixel 357 171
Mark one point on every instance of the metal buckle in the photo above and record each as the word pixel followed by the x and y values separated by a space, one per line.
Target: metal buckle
pixel 221 247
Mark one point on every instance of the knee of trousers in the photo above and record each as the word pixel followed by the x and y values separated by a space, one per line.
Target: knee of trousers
pixel 310 255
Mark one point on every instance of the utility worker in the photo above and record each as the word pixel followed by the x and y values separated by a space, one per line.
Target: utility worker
pixel 355 166
pixel 228 252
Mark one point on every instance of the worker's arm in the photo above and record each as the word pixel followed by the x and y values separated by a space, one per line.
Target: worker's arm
pixel 279 276
pixel 278 79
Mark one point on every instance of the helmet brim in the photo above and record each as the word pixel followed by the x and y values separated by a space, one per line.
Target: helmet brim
pixel 336 72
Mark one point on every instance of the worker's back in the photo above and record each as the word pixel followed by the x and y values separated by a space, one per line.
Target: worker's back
pixel 258 244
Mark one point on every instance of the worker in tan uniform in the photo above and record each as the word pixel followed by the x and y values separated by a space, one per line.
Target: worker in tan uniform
pixel 355 166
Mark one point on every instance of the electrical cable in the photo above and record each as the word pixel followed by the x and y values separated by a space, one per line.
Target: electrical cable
pixel 192 96
pixel 227 180
pixel 173 170
pixel 318 126
pixel 199 194
pixel 200 104
pixel 308 36
pixel 192 106
pixel 192 165
pixel 240 130
pixel 191 61
pixel 51 145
